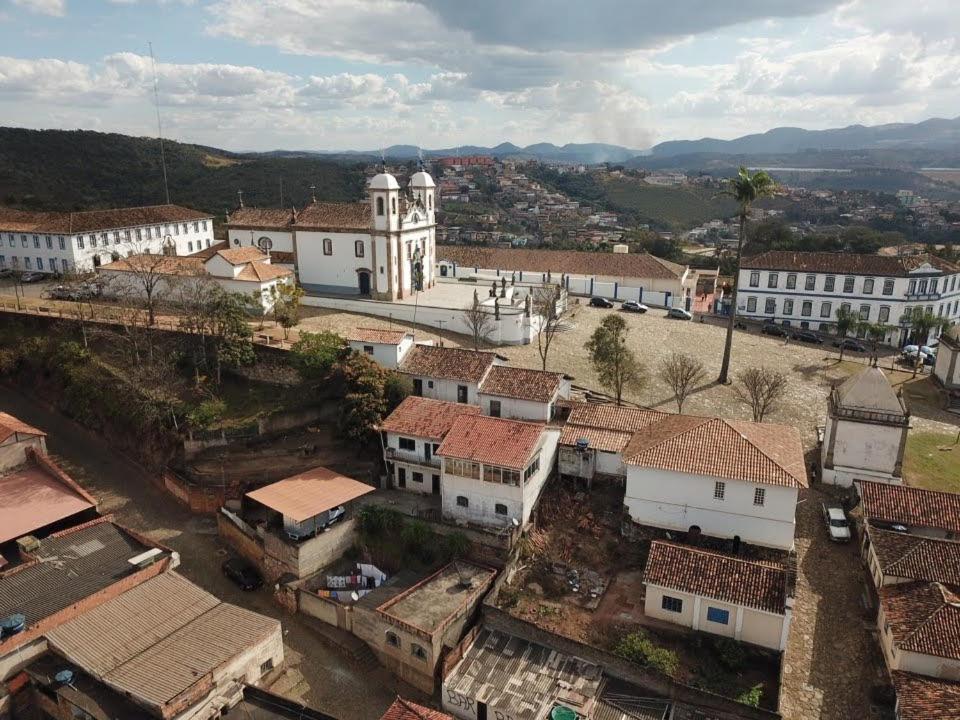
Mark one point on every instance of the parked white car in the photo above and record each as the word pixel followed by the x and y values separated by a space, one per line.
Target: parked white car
pixel 836 521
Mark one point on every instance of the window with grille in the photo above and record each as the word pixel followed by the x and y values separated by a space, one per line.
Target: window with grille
pixel 791 281
pixel 671 604
pixel 719 490
pixel 759 496
pixel 754 279
pixel 810 283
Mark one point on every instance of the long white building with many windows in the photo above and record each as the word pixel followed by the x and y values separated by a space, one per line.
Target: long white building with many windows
pixel 58 242
pixel 805 289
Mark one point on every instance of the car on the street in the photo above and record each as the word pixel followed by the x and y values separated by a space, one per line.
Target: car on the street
pixel 31 277
pixel 6 272
pixel 908 355
pixel 634 306
pixel 808 336
pixel 771 328
pixel 84 291
pixel 850 344
pixel 679 314
pixel 243 573
pixel 600 302
pixel 836 521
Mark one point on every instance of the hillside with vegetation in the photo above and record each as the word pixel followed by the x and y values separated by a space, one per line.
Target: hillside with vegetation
pixel 81 169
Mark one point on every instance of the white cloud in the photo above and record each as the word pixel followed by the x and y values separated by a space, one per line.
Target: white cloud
pixel 45 77
pixel 54 8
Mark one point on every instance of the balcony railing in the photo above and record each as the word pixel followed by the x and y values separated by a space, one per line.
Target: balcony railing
pixel 923 296
pixel 412 457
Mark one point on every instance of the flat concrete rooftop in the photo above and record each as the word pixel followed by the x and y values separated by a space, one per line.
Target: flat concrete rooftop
pixel 429 603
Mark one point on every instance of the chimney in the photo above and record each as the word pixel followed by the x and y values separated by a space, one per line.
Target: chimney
pixel 240 195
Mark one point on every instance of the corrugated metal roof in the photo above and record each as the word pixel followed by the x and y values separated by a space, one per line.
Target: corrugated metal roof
pixel 32 498
pixel 159 639
pixel 310 493
pixel 72 567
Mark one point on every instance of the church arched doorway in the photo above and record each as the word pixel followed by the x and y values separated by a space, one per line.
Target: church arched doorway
pixel 363 278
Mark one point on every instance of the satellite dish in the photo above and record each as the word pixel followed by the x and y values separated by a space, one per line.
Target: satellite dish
pixel 354 596
pixel 515 522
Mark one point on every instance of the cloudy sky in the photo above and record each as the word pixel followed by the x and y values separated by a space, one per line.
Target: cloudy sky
pixel 362 74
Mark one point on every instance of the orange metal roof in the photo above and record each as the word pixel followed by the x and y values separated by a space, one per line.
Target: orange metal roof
pixel 32 497
pixel 10 425
pixel 310 493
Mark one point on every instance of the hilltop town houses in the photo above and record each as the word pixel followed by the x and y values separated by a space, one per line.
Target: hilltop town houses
pixel 805 289
pixel 60 242
pixel 383 248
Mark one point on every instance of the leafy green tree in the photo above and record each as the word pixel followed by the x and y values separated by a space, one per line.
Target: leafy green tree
pixel 617 367
pixel 639 649
pixel 745 188
pixel 314 354
pixel 847 320
pixel 286 305
pixel 230 332
pixel 876 332
pixel 365 400
pixel 207 413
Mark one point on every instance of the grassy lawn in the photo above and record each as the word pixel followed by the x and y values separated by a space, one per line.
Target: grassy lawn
pixel 929 466
pixel 247 401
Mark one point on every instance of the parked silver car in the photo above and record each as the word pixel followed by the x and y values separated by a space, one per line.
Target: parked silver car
pixel 837 525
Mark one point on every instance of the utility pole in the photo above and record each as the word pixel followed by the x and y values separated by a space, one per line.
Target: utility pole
pixel 156 101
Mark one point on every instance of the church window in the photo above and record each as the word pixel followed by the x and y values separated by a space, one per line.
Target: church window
pixel 379 206
pixel 327 246
pixel 393 204
pixel 358 248
pixel 430 201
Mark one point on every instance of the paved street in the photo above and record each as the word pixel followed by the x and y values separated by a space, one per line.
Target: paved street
pixel 330 682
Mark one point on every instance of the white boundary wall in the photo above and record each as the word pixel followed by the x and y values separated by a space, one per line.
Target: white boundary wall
pixel 585 285
pixel 513 327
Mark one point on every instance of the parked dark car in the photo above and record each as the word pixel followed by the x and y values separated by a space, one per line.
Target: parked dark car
pixel 773 329
pixel 849 344
pixel 31 277
pixel 600 302
pixel 808 336
pixel 6 272
pixel 245 575
pixel 634 306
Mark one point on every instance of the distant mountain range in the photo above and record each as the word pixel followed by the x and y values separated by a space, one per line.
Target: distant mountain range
pixel 588 153
pixel 929 134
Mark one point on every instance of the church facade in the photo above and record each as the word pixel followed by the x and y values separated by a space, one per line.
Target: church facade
pixel 383 248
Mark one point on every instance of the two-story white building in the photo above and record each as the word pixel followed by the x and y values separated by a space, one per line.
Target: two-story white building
pixel 60 242
pixel 383 247
pixel 522 393
pixel 412 434
pixel 494 470
pixel 723 478
pixel 444 373
pixel 865 435
pixel 805 289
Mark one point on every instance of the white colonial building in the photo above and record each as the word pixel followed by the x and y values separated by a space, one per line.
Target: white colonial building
pixel 387 347
pixel 723 478
pixel 452 374
pixel 59 242
pixel 412 434
pixel 805 289
pixel 494 470
pixel 865 435
pixel 383 248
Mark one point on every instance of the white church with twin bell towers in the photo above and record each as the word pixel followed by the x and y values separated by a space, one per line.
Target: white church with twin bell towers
pixel 383 248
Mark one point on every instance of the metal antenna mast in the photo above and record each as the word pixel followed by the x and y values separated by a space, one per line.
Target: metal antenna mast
pixel 156 101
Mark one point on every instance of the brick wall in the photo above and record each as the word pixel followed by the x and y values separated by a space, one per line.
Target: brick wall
pixel 246 546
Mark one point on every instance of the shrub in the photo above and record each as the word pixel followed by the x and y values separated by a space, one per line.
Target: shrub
pixel 730 653
pixel 456 545
pixel 315 353
pixel 207 413
pixel 752 696
pixel 639 649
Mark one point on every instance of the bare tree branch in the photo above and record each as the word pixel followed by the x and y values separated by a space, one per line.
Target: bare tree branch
pixel 479 322
pixel 552 318
pixel 760 388
pixel 681 373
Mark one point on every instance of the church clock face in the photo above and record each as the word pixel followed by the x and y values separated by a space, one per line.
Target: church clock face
pixel 265 244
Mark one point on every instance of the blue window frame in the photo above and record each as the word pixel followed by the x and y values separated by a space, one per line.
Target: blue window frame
pixel 717 615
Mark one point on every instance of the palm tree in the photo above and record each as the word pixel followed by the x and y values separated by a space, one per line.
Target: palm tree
pixel 922 324
pixel 876 332
pixel 745 188
pixel 847 320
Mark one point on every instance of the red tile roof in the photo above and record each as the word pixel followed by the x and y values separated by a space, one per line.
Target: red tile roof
pixel 521 383
pixel 916 557
pixel 749 583
pixel 10 425
pixel 844 263
pixel 253 217
pixel 425 418
pixel 607 427
pixel 309 493
pixel 926 698
pixel 262 272
pixel 506 443
pixel 605 264
pixel 241 255
pixel 447 363
pixel 730 449
pixel 346 216
pixel 377 335
pixel 95 220
pixel 910 506
pixel 158 265
pixel 923 617
pixel 406 710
